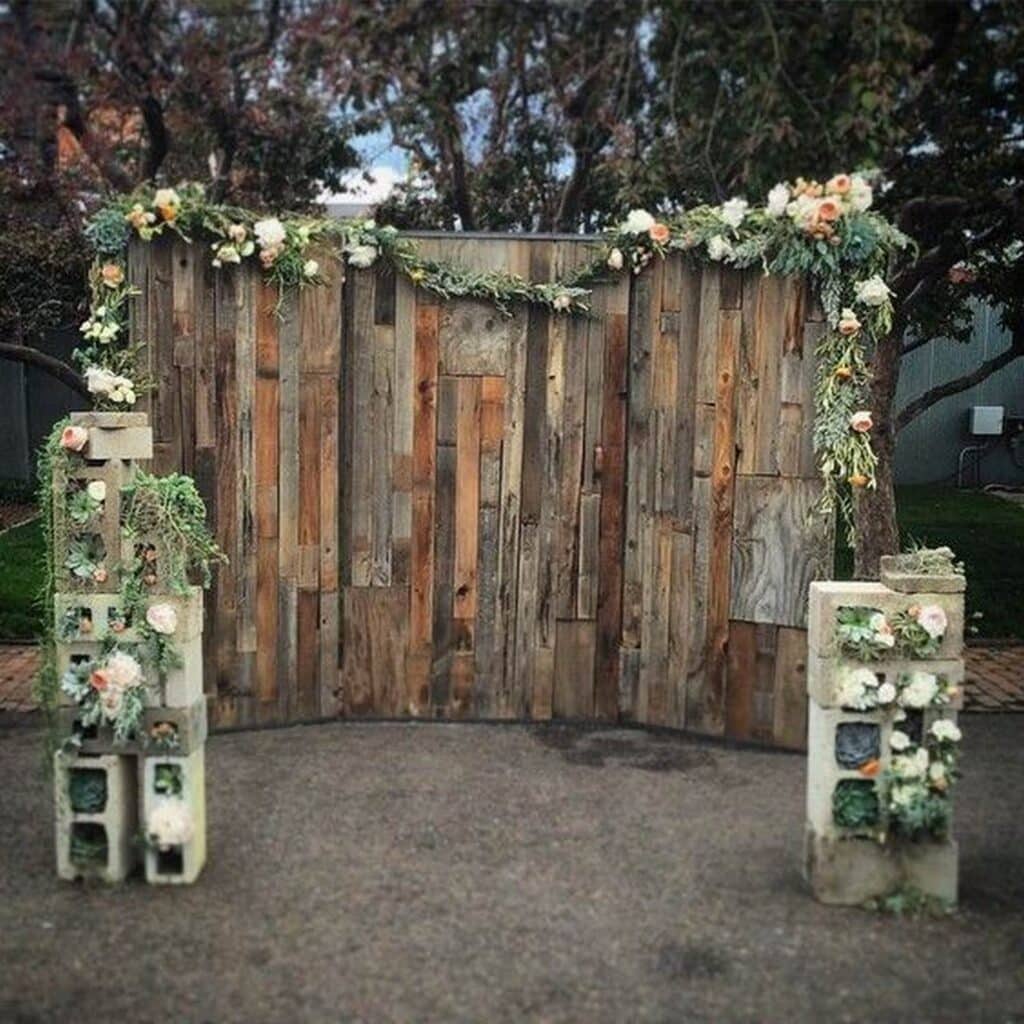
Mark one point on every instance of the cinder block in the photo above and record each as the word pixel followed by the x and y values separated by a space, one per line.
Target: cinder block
pixel 180 687
pixel 182 864
pixel 932 867
pixel 911 583
pixel 106 524
pixel 163 730
pixel 849 871
pixel 108 420
pixel 119 443
pixel 96 617
pixel 825 672
pixel 827 597
pixel 72 653
pixel 825 772
pixel 106 828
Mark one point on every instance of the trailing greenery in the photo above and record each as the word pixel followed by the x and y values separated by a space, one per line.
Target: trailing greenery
pixel 909 901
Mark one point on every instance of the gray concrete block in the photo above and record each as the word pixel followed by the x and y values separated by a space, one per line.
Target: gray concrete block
pixel 163 730
pixel 182 864
pixel 848 871
pixel 116 822
pixel 825 671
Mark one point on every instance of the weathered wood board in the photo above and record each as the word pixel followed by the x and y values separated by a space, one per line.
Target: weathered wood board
pixel 435 510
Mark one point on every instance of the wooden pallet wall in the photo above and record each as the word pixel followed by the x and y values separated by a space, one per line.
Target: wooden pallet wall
pixel 434 510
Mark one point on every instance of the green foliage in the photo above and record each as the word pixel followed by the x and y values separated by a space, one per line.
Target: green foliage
pixel 22 554
pixel 87 790
pixel 855 804
pixel 88 844
pixel 918 560
pixel 909 901
pixel 168 780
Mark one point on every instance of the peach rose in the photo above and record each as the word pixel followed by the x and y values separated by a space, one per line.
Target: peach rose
pixel 112 274
pixel 99 574
pixel 829 210
pixel 659 233
pixel 861 421
pixel 838 184
pixel 74 439
pixel 858 480
pixel 99 680
pixel 848 323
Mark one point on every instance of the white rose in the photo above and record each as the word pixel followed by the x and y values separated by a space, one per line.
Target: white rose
pixel 851 692
pixel 903 796
pixel 123 671
pixel 562 301
pixel 269 232
pixel 937 771
pixel 886 693
pixel 100 381
pixel 911 766
pixel 170 824
pixel 615 259
pixel 932 619
pixel 719 247
pixel 920 690
pixel 310 268
pixel 110 701
pixel 899 740
pixel 873 291
pixel 878 623
pixel 97 490
pixel 860 194
pixel 733 211
pixel 944 729
pixel 362 255
pixel 803 210
pixel 162 618
pixel 227 254
pixel 637 222
pixel 778 200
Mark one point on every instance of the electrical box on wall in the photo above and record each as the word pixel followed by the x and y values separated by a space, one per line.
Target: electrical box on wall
pixel 986 420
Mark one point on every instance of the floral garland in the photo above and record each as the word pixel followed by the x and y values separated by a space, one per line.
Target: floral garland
pixel 826 231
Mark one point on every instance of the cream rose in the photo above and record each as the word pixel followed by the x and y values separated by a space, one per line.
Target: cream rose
pixel 615 259
pixel 886 693
pixel 848 323
pixel 945 730
pixel 362 255
pixel 778 199
pixel 899 740
pixel 838 184
pixel 920 690
pixel 74 439
pixel 162 618
pixel 310 268
pixel 269 233
pixel 932 619
pixel 170 824
pixel 166 197
pixel 860 194
pixel 861 421
pixel 733 211
pixel 123 671
pixel 637 222
pixel 97 490
pixel 562 301
pixel 110 700
pixel 873 291
pixel 719 247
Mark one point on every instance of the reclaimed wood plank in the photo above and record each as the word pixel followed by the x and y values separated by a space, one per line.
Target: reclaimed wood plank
pixel 575 646
pixel 402 436
pixel 688 298
pixel 381 447
pixel 365 401
pixel 474 338
pixel 679 604
pixel 467 501
pixel 375 626
pixel 779 546
pixel 611 539
pixel 183 319
pixel 789 727
pixel 329 609
pixel 245 554
pixel 443 633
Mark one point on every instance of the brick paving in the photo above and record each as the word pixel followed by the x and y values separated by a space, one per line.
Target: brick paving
pixel 995 677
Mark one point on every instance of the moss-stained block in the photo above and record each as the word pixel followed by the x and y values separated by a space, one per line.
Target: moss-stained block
pixel 895 578
pixel 95 837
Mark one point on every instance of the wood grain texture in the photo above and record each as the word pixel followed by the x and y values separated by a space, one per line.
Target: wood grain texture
pixel 433 509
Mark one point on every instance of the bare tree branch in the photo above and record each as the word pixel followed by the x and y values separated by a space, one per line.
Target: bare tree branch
pixel 50 364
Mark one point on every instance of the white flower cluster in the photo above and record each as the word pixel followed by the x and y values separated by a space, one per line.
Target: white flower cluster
pixel 861 689
pixel 106 384
pixel 814 207
pixel 102 325
pixel 170 824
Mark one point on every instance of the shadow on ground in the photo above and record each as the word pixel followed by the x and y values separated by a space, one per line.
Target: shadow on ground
pixel 478 873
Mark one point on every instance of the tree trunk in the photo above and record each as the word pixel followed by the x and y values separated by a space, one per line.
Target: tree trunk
pixel 875 510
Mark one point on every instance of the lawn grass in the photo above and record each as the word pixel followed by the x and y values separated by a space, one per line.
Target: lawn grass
pixel 986 532
pixel 21 577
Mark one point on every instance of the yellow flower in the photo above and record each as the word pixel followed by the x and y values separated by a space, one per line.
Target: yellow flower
pixel 417 274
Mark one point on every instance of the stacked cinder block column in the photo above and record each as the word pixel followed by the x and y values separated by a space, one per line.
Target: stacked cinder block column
pixel 872 709
pixel 104 793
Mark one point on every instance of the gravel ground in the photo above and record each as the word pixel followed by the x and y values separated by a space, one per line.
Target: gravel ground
pixel 480 873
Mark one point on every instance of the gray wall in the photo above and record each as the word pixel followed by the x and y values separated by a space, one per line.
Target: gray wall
pixel 927 449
